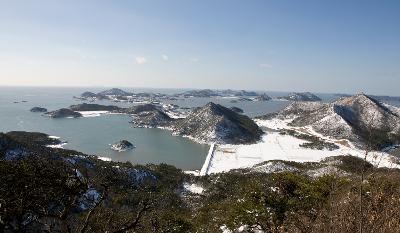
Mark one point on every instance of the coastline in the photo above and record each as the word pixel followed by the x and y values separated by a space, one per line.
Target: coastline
pixel 207 162
pixel 273 146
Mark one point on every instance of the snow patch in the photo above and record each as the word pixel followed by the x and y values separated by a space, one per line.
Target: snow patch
pixel 60 145
pixel 89 199
pixel 273 167
pixel 193 188
pixel 92 113
pixel 104 158
pixel 195 173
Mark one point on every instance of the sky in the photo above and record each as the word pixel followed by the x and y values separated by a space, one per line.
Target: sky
pixel 340 46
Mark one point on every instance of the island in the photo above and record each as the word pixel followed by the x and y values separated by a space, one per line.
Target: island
pixel 297 96
pixel 38 109
pixel 122 145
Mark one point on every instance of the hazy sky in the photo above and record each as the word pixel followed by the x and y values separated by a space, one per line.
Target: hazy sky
pixel 320 46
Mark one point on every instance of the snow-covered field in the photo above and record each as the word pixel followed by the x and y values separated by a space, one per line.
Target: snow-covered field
pixel 92 113
pixel 275 146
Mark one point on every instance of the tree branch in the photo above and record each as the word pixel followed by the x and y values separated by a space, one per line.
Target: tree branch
pixel 135 222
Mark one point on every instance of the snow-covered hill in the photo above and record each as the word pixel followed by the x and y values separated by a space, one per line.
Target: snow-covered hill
pixel 215 123
pixel 358 118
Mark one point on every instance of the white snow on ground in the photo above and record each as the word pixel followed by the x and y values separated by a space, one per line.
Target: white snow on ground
pixel 274 123
pixel 57 145
pixel 172 111
pixel 175 115
pixel 195 173
pixel 104 158
pixel 273 167
pixel 92 113
pixel 275 146
pixel 244 228
pixel 193 188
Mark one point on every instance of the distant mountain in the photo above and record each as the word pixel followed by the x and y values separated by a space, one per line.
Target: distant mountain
pixel 237 93
pixel 115 91
pixel 215 123
pixel 341 95
pixel 88 94
pixel 213 93
pixel 385 98
pixel 359 118
pixel 64 113
pixel 263 97
pixel 93 107
pixel 304 96
pixel 200 93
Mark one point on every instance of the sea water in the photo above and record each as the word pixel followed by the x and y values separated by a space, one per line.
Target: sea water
pixel 93 135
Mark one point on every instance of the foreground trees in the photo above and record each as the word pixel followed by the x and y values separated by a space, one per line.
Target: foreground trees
pixel 55 190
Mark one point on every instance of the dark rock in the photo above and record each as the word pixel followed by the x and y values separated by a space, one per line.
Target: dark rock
pixel 38 109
